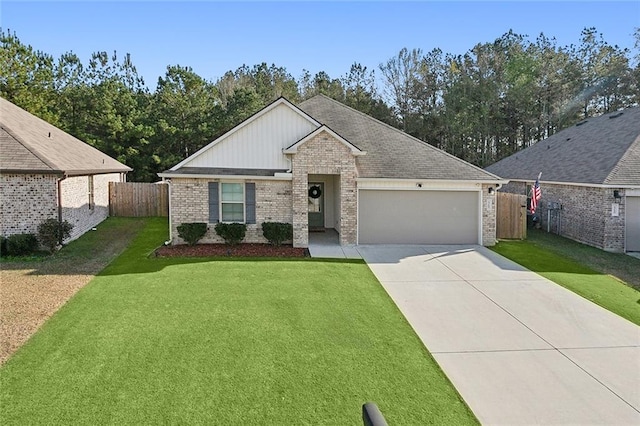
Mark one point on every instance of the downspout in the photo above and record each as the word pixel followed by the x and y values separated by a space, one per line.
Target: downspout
pixel 59 189
pixel 170 241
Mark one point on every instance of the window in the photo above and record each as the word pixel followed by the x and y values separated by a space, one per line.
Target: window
pixel 90 192
pixel 232 202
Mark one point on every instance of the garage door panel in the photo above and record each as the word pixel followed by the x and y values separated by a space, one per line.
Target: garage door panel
pixel 632 220
pixel 417 217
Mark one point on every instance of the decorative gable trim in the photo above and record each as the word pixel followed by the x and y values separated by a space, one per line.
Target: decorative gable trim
pixel 294 148
pixel 251 119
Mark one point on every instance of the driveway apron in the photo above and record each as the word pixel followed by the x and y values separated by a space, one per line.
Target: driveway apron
pixel 519 348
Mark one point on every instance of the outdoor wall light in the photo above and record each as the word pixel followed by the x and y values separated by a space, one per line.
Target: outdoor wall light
pixel 616 194
pixel 419 185
pixel 491 190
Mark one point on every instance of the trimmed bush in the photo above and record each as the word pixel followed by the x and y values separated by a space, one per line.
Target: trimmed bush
pixel 231 233
pixel 51 233
pixel 3 246
pixel 277 232
pixel 21 244
pixel 192 232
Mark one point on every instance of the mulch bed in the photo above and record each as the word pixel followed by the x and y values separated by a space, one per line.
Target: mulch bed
pixel 223 250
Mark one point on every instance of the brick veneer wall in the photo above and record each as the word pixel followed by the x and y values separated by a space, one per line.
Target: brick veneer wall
pixel 190 203
pixel 25 201
pixel 75 201
pixel 324 155
pixel 488 215
pixel 585 215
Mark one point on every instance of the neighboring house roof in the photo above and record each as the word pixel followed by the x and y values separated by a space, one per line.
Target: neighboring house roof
pixel 391 153
pixel 29 144
pixel 603 150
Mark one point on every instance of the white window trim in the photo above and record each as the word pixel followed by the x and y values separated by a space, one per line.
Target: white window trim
pixel 243 202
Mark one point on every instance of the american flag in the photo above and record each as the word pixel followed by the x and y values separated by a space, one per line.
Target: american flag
pixel 536 194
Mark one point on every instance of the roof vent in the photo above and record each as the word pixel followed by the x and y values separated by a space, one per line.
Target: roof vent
pixel 49 135
pixel 581 123
pixel 616 115
pixel 568 139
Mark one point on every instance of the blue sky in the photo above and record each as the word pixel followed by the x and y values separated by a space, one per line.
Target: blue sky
pixel 214 37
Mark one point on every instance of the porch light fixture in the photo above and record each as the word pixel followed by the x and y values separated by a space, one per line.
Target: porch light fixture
pixel 491 190
pixel 616 195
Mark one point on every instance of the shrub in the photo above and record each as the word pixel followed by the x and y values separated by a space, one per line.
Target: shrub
pixel 192 232
pixel 21 244
pixel 3 246
pixel 277 232
pixel 231 233
pixel 51 233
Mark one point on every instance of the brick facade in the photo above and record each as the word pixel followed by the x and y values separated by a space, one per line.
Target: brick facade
pixel 190 203
pixel 27 200
pixel 585 216
pixel 287 201
pixel 324 155
pixel 488 215
pixel 75 201
pixel 278 200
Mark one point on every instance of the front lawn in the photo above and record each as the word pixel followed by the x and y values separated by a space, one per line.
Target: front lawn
pixel 236 341
pixel 577 275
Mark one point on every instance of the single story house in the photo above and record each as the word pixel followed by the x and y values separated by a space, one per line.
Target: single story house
pixel 321 164
pixel 590 180
pixel 47 173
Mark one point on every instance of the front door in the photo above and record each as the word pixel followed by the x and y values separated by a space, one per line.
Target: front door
pixel 316 205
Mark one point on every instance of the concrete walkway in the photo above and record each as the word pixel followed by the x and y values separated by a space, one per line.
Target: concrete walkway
pixel 326 245
pixel 519 348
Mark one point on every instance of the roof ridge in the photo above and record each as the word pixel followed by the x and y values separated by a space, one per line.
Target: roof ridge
pixel 413 138
pixel 29 148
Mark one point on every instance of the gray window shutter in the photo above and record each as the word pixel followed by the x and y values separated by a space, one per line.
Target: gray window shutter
pixel 214 210
pixel 250 201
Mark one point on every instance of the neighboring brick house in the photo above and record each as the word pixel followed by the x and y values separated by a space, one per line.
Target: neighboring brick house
pixel 323 165
pixel 47 173
pixel 590 180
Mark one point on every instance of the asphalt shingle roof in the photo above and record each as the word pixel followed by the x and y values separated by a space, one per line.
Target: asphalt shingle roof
pixel 29 144
pixel 390 153
pixel 599 150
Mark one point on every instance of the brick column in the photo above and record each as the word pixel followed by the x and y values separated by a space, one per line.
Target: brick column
pixel 300 208
pixel 348 207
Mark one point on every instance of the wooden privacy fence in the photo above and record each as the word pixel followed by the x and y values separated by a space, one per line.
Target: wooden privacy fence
pixel 511 219
pixel 134 199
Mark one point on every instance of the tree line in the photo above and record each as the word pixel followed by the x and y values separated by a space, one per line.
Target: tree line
pixel 497 98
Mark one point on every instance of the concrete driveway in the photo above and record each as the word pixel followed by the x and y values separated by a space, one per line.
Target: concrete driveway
pixel 519 348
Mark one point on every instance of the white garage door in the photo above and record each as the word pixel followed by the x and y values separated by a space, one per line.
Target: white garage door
pixel 632 221
pixel 417 217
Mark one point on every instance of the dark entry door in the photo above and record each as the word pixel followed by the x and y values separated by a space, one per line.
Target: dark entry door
pixel 316 205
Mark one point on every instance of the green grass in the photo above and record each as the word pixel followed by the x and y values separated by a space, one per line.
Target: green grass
pixel 87 254
pixel 620 265
pixel 239 341
pixel 605 290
